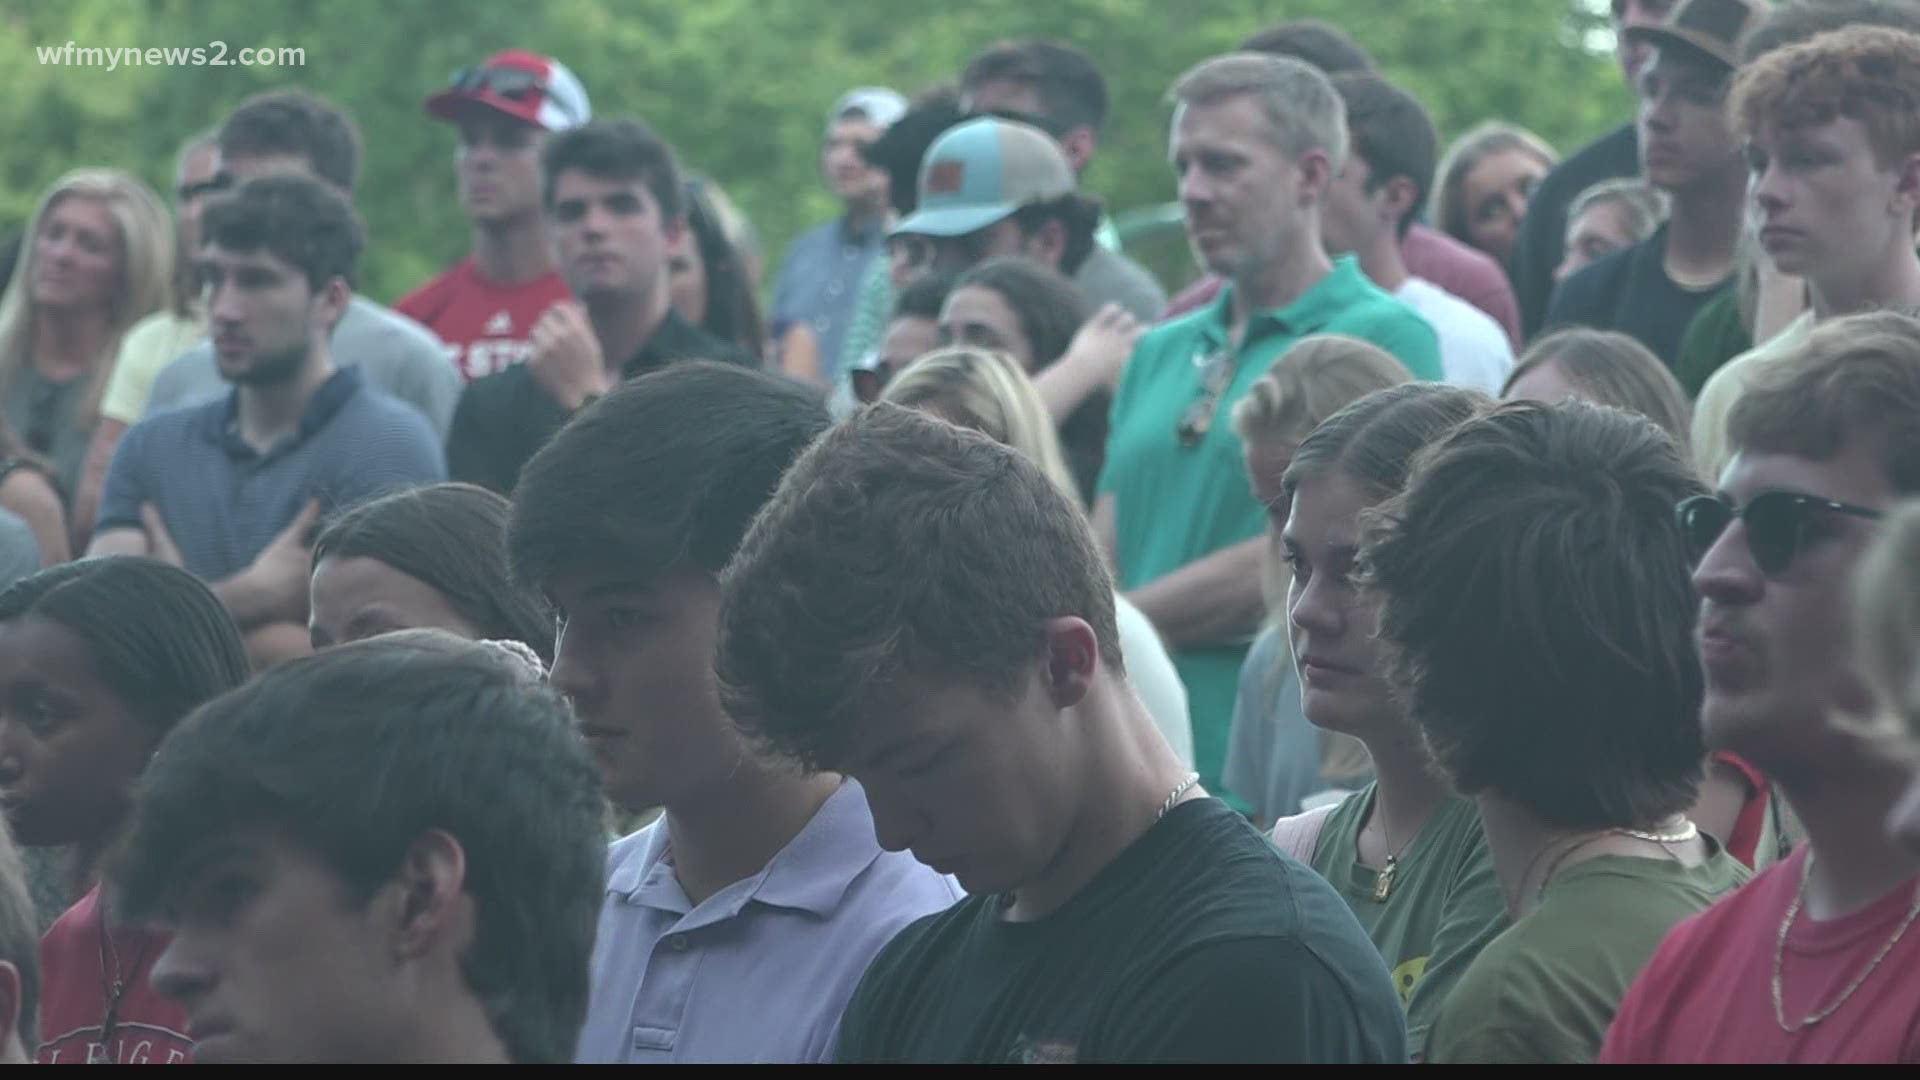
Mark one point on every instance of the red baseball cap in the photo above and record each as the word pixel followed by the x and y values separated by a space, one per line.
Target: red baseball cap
pixel 524 85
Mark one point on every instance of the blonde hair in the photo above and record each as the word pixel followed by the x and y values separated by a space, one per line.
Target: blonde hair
pixel 1887 613
pixel 1303 109
pixel 989 392
pixel 146 275
pixel 1311 381
pixel 1315 378
pixel 1448 208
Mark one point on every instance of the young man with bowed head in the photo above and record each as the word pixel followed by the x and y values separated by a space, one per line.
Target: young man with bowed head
pixel 1816 960
pixel 734 927
pixel 921 608
pixel 387 853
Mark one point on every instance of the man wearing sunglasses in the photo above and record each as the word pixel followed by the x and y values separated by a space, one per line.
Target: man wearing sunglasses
pixel 484 307
pixel 1816 960
pixel 1256 141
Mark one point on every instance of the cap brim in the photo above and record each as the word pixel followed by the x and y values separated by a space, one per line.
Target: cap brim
pixel 448 104
pixel 953 220
pixel 1699 46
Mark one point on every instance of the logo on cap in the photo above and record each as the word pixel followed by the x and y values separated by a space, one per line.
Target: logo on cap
pixel 946 177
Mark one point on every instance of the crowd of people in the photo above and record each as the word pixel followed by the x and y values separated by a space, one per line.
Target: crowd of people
pixel 1475 618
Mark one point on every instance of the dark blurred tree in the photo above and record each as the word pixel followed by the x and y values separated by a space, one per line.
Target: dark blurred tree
pixel 739 86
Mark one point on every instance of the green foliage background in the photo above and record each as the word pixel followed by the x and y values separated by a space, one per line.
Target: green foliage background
pixel 739 86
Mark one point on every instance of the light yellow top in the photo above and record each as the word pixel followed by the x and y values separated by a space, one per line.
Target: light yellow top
pixel 149 346
pixel 1710 449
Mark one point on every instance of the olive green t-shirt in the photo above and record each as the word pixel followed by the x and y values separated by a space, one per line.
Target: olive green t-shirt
pixel 1444 905
pixel 1544 991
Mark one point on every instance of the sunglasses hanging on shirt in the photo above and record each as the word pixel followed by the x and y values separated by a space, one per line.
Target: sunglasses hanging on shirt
pixel 1216 374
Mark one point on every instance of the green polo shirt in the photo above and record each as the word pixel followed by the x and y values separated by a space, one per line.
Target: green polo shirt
pixel 1174 504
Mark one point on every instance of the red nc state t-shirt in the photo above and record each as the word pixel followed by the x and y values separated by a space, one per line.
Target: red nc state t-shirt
pixel 1707 995
pixel 149 1030
pixel 483 324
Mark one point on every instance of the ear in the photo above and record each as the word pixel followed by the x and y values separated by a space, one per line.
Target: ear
pixel 675 230
pixel 432 912
pixel 1316 175
pixel 1079 145
pixel 1400 198
pixel 10 1001
pixel 1049 244
pixel 1906 185
pixel 1072 658
pixel 333 299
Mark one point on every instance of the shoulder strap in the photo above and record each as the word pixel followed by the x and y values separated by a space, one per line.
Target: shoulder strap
pixel 1299 835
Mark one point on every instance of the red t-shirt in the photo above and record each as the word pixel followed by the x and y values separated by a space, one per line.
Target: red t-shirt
pixel 1468 273
pixel 1707 995
pixel 149 1030
pixel 484 324
pixel 1744 843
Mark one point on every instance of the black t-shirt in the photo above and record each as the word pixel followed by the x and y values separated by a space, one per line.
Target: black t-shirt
pixel 504 419
pixel 1542 243
pixel 1199 943
pixel 1629 291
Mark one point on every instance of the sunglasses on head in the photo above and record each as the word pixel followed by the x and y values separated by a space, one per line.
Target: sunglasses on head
pixel 1776 524
pixel 506 82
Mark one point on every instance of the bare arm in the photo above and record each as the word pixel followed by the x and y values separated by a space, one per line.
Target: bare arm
pixel 1213 600
pixel 93 479
pixel 119 541
pixel 800 354
pixel 1093 362
pixel 1105 531
pixel 31 495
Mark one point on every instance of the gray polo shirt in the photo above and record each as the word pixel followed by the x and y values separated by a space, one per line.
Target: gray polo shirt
pixel 224 502
pixel 399 356
pixel 1108 277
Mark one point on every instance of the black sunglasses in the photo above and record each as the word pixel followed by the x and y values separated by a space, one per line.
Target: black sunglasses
pixel 1776 524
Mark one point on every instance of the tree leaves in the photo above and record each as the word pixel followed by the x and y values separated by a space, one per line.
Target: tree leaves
pixel 739 86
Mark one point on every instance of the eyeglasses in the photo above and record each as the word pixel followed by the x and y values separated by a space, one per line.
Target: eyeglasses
pixel 1216 374
pixel 1776 524
pixel 915 252
pixel 218 182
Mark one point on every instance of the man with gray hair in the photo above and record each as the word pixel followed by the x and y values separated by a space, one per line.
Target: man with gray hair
pixel 813 297
pixel 1256 141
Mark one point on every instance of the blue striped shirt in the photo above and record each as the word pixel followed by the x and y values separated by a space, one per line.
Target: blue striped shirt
pixel 224 502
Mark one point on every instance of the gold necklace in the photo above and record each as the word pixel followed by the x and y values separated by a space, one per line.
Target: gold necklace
pixel 1383 878
pixel 1780 956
